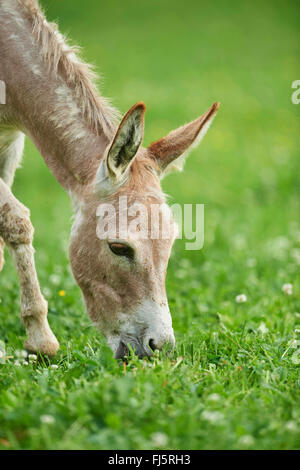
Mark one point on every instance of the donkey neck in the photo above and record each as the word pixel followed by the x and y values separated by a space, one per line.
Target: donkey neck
pixel 50 96
pixel 70 149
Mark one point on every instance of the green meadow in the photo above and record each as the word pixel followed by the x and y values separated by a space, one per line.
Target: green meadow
pixel 233 380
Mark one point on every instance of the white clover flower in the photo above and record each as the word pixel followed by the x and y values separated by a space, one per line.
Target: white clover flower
pixel 291 426
pixel 47 419
pixel 32 357
pixel 159 439
pixel 54 366
pixel 21 353
pixel 1 354
pixel 262 328
pixel 17 363
pixel 24 363
pixel 214 397
pixel 55 279
pixel 241 298
pixel 294 343
pixel 246 440
pixel 212 416
pixel 287 288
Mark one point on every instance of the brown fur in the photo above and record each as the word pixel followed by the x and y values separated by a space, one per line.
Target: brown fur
pixel 52 98
pixel 97 111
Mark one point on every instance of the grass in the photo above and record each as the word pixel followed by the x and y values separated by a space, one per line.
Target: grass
pixel 233 380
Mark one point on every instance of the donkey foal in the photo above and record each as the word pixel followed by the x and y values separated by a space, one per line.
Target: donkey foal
pixel 51 98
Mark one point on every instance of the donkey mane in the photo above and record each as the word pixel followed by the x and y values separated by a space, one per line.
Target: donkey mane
pixel 63 59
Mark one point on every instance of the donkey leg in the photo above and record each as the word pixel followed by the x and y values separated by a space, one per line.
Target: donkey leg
pixel 17 232
pixel 1 253
pixel 11 150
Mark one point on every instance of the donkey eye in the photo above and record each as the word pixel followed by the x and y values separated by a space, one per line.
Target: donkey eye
pixel 120 249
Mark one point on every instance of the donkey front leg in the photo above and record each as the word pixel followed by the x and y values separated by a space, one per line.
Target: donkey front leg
pixel 17 232
pixel 2 244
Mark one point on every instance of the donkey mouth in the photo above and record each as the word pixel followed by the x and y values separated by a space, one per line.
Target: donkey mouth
pixel 128 347
pixel 124 350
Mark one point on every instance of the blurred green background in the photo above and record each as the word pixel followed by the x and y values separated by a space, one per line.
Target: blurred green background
pixel 179 58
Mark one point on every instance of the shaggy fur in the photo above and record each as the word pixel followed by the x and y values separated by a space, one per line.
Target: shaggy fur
pixel 64 59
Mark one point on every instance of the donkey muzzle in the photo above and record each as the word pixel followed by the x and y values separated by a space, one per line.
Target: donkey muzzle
pixel 143 348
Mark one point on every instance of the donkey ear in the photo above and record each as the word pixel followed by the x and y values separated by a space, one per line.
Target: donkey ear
pixel 114 168
pixel 170 151
pixel 126 142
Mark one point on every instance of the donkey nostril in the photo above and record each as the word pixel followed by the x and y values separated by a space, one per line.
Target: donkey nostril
pixel 152 344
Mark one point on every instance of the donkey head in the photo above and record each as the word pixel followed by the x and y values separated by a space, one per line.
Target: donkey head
pixel 123 233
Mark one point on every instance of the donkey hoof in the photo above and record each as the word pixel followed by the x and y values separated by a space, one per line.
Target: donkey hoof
pixel 45 347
